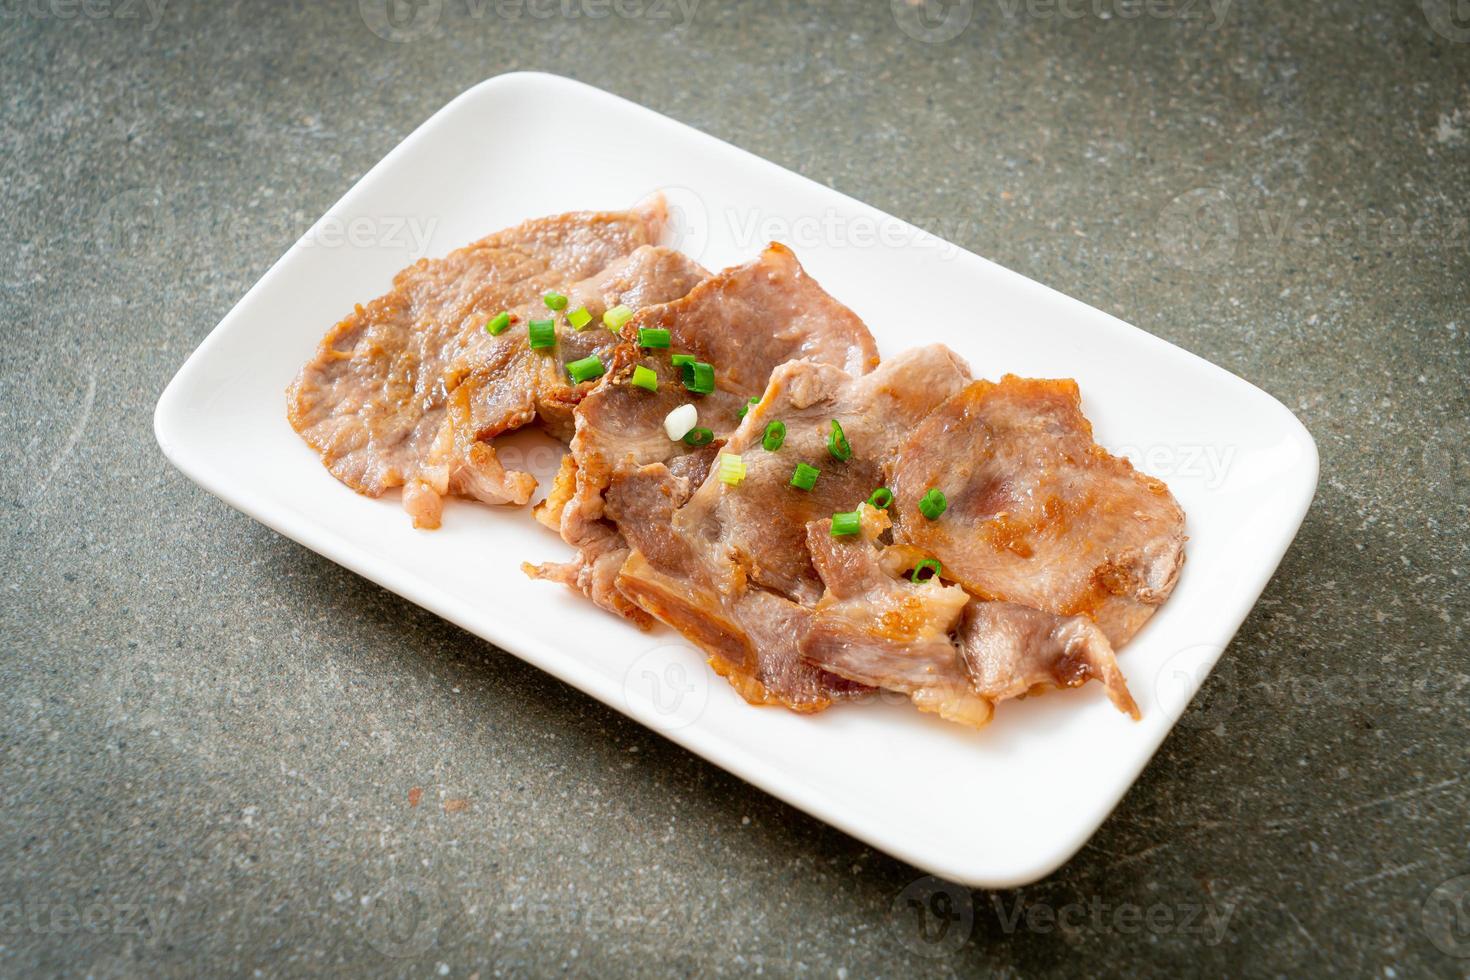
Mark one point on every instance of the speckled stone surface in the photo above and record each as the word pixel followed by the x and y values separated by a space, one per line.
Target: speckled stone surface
pixel 211 736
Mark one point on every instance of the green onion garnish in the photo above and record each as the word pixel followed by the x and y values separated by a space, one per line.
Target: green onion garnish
pixel 845 524
pixel 699 377
pixel 653 337
pixel 644 378
pixel 745 409
pixel 929 565
pixel 614 318
pixel 586 369
pixel 497 324
pixel 933 503
pixel 699 436
pixel 881 498
pixel 555 301
pixel 579 318
pixel 543 334
pixel 805 477
pixel 837 443
pixel 775 435
pixel 679 360
pixel 732 469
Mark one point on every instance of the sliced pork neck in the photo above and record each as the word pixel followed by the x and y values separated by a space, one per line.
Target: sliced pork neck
pixel 1038 514
pixel 730 569
pixel 498 383
pixel 874 627
pixel 878 627
pixel 372 399
pixel 745 321
pixel 1052 552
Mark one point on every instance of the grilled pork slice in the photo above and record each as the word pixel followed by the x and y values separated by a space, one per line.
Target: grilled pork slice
pixel 730 569
pixel 371 401
pixel 752 638
pixel 744 322
pixel 875 627
pixel 498 383
pixel 495 379
pixel 1038 515
pixel 757 531
pixel 1013 650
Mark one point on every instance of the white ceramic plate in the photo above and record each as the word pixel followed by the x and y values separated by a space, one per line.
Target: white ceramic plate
pixel 994 808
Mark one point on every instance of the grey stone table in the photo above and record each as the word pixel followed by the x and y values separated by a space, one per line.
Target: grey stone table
pixel 210 735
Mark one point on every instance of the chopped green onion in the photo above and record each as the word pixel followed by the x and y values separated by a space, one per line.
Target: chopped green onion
pixel 732 469
pixel 881 498
pixel 804 477
pixel 555 301
pixel 497 324
pixel 644 378
pixel 933 503
pixel 653 337
pixel 579 318
pixel 775 435
pixel 699 436
pixel 586 369
pixel 699 377
pixel 614 318
pixel 679 360
pixel 745 409
pixel 927 565
pixel 837 443
pixel 543 334
pixel 846 523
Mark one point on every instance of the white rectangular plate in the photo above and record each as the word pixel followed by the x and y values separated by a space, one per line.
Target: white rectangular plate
pixel 995 808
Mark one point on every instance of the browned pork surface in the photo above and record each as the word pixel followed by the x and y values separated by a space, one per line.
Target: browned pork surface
pixel 753 575
pixel 1012 650
pixel 1053 552
pixel 1038 514
pixel 372 400
pixel 730 569
pixel 745 321
pixel 876 627
pixel 500 383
